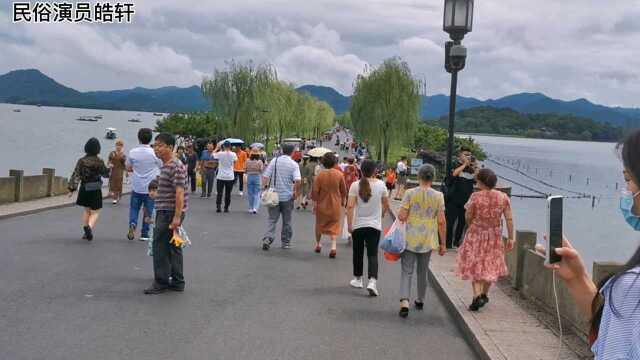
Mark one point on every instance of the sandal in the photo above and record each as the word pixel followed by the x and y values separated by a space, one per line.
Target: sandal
pixel 318 249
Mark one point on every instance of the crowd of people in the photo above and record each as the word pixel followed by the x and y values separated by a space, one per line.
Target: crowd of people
pixel 352 197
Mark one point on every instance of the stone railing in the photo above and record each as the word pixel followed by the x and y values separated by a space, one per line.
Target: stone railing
pixel 17 187
pixel 534 282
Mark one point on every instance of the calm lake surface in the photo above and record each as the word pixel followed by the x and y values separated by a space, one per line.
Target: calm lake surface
pixel 38 137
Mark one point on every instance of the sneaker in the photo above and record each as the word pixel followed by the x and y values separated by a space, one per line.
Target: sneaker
pixel 286 246
pixel 356 283
pixel 144 238
pixel 115 202
pixel 266 243
pixel 218 210
pixel 154 290
pixel 254 211
pixel 241 193
pixel 373 290
pixel 132 232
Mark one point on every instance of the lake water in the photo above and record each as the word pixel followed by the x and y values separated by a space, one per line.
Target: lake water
pixel 40 137
pixel 599 232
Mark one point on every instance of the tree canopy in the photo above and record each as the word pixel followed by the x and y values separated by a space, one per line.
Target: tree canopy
pixel 385 107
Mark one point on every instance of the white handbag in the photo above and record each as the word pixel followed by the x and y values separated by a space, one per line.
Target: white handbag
pixel 270 197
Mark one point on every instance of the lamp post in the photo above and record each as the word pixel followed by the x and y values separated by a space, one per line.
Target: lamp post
pixel 458 21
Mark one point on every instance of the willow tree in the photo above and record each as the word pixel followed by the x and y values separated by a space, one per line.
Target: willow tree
pixel 386 106
pixel 234 93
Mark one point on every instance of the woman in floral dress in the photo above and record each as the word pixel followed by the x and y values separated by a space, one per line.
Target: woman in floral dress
pixel 481 256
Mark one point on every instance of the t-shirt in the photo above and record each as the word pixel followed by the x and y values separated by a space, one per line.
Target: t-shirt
pixel 401 168
pixel 145 167
pixel 209 160
pixel 462 187
pixel 286 173
pixel 422 224
pixel 254 167
pixel 173 174
pixel 241 162
pixel 369 214
pixel 226 159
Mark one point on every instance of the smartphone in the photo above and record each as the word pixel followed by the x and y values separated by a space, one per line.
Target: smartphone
pixel 554 228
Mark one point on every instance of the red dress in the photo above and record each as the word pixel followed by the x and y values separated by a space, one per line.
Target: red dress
pixel 481 256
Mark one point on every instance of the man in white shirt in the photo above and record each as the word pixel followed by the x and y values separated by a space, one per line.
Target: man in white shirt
pixel 226 176
pixel 145 166
pixel 283 175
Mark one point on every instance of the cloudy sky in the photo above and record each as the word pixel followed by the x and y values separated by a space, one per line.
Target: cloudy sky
pixel 566 49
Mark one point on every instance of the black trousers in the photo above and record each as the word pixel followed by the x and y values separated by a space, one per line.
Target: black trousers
pixel 239 176
pixel 455 224
pixel 192 178
pixel 167 258
pixel 226 186
pixel 368 237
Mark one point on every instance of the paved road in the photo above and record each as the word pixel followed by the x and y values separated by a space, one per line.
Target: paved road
pixel 65 298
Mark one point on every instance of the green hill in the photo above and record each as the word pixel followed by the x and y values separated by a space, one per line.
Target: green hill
pixel 487 120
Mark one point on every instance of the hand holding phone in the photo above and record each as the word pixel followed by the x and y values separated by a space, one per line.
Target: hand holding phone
pixel 554 229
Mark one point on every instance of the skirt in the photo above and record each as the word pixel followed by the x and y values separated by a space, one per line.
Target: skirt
pixel 89 199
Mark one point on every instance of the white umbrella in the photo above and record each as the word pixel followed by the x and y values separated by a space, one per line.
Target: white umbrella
pixel 319 152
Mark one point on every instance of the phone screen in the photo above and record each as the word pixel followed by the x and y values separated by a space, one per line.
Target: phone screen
pixel 555 229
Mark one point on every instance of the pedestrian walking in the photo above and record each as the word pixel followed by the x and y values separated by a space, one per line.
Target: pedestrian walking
pixel 117 165
pixel 208 169
pixel 87 179
pixel 481 256
pixel 283 175
pixel 239 168
pixel 423 212
pixel 402 174
pixel 329 195
pixel 145 166
pixel 171 206
pixel 367 205
pixel 192 164
pixel 253 169
pixel 308 175
pixel 459 187
pixel 226 176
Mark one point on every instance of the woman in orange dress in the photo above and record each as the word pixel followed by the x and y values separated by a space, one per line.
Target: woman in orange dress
pixel 481 256
pixel 329 194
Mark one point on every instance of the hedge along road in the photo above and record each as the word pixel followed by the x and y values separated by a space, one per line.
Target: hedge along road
pixel 65 298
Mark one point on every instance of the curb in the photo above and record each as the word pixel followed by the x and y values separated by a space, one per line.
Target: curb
pixel 478 340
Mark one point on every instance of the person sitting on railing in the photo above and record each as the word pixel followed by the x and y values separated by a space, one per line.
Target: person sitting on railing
pixel 613 305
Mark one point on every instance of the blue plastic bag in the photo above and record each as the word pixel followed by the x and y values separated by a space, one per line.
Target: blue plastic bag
pixel 394 241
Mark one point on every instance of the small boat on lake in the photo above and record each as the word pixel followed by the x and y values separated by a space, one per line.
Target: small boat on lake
pixel 98 117
pixel 17 110
pixel 158 114
pixel 134 120
pixel 84 118
pixel 111 134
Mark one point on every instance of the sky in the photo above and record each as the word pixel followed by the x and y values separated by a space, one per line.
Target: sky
pixel 565 49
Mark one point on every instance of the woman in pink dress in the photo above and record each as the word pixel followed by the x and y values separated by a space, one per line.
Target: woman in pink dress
pixel 481 256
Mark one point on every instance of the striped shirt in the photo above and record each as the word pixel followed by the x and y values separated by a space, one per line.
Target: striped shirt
pixel 287 172
pixel 172 175
pixel 619 336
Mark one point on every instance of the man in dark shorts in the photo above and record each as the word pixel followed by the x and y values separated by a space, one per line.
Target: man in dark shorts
pixel 171 205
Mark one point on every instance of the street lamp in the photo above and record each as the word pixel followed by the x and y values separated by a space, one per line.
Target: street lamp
pixel 458 21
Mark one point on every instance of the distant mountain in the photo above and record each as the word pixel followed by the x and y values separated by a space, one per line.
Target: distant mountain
pixel 33 87
pixel 338 102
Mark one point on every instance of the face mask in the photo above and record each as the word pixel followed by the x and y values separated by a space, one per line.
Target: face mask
pixel 626 208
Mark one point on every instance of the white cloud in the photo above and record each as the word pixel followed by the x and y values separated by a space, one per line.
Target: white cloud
pixel 242 43
pixel 310 65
